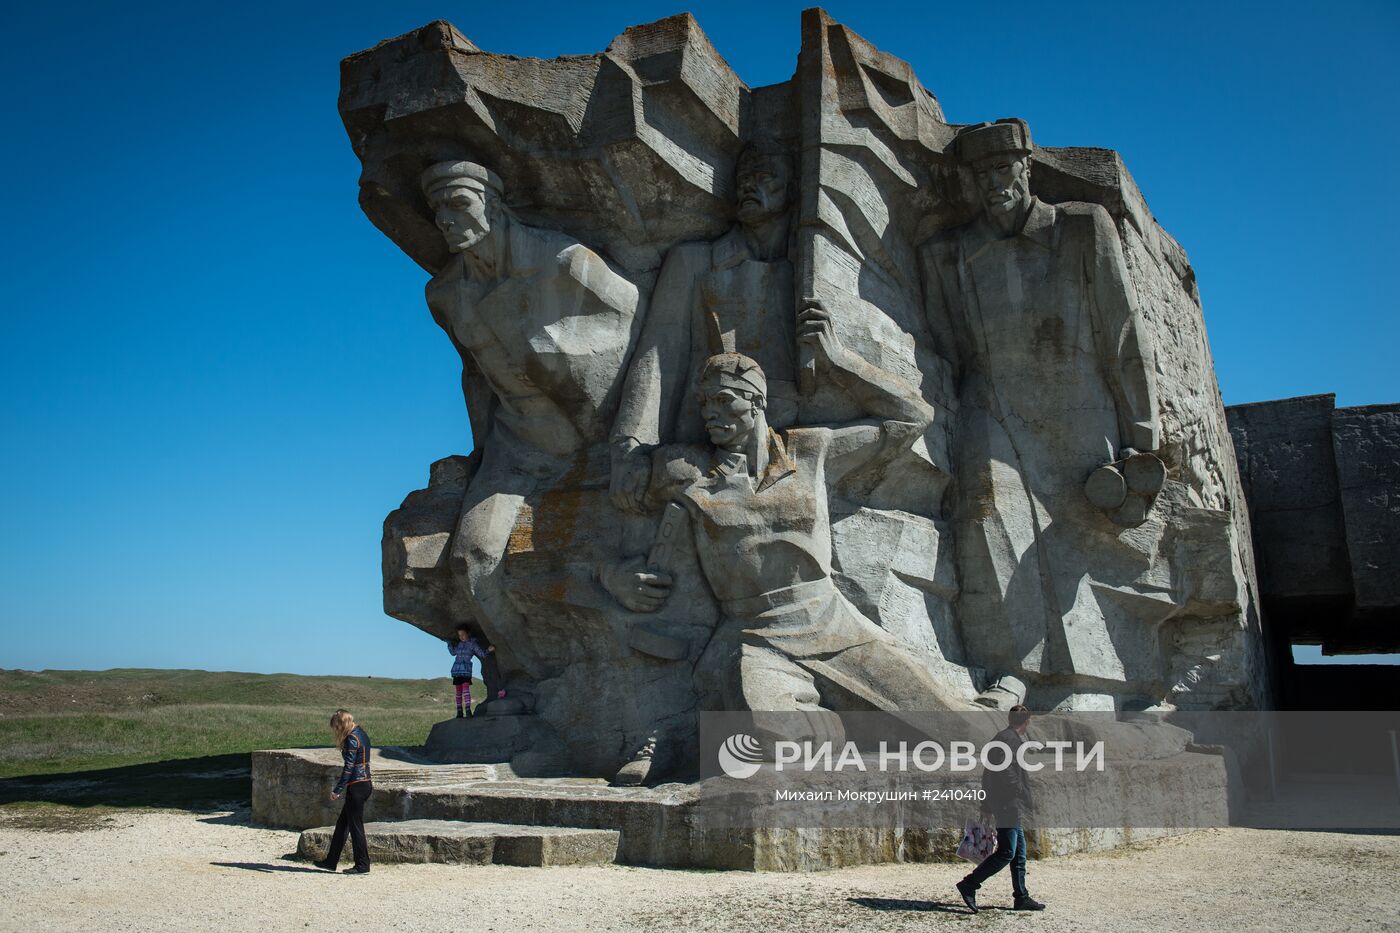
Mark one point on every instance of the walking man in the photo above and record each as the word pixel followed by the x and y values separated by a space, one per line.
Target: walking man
pixel 1008 801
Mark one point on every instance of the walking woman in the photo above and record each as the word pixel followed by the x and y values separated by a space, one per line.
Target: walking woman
pixel 355 784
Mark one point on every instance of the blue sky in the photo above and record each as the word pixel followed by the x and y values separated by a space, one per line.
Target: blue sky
pixel 218 377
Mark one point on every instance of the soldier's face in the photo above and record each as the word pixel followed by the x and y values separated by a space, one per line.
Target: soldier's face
pixel 730 415
pixel 463 215
pixel 761 184
pixel 1004 181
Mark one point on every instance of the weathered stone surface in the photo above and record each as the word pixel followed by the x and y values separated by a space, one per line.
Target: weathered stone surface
pixel 909 495
pixel 628 148
pixel 455 842
pixel 418 585
pixel 1367 445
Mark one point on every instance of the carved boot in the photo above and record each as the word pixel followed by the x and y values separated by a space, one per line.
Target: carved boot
pixel 636 771
pixel 1005 692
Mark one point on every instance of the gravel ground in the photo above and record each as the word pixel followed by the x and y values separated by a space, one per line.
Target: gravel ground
pixel 161 870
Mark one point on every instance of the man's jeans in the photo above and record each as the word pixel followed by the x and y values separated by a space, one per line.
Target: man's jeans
pixel 1011 850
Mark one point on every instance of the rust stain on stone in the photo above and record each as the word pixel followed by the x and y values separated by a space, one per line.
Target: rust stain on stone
pixel 522 536
pixel 550 530
pixel 982 503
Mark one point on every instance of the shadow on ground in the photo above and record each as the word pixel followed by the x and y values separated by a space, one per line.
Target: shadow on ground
pixel 199 784
pixel 894 903
pixel 941 907
pixel 270 867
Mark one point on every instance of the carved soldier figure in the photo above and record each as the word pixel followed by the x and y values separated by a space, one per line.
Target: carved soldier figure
pixel 757 500
pixel 1032 304
pixel 734 295
pixel 543 326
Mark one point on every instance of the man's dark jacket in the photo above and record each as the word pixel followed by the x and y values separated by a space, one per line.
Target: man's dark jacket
pixel 1008 791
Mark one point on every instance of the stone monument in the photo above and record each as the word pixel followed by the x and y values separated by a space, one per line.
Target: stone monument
pixel 795 397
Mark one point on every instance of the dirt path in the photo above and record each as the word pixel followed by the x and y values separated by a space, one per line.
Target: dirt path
pixel 181 871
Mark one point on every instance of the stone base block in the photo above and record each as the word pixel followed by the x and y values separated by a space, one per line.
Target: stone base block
pixel 525 743
pixel 664 826
pixel 459 843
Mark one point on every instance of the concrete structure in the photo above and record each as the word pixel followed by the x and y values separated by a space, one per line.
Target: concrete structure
pixel 794 399
pixel 1058 508
pixel 1323 488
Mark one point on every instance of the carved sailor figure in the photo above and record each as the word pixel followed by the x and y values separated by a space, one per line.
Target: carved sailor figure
pixel 543 326
pixel 732 295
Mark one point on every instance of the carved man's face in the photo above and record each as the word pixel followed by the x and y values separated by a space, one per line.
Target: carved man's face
pixel 1004 181
pixel 761 182
pixel 463 214
pixel 730 415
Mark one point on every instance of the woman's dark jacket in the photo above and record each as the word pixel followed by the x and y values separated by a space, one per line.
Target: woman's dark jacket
pixel 356 752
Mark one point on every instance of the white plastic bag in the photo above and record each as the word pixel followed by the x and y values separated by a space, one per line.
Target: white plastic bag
pixel 978 841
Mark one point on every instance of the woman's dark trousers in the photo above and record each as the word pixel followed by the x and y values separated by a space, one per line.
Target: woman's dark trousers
pixel 352 820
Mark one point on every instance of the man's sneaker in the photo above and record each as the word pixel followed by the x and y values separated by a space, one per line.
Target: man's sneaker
pixel 355 871
pixel 1028 903
pixel 969 895
pixel 324 865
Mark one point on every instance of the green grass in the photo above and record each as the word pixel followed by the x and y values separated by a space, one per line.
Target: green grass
pixel 182 738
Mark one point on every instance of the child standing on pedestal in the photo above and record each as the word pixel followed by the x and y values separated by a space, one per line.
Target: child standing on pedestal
pixel 463 648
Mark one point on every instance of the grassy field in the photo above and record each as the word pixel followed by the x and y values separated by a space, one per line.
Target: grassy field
pixel 182 738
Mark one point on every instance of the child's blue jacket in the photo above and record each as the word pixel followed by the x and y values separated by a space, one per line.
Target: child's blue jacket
pixel 462 653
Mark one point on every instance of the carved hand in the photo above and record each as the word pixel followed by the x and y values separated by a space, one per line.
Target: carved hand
pixel 1126 488
pixel 815 331
pixel 635 587
pixel 825 726
pixel 631 474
